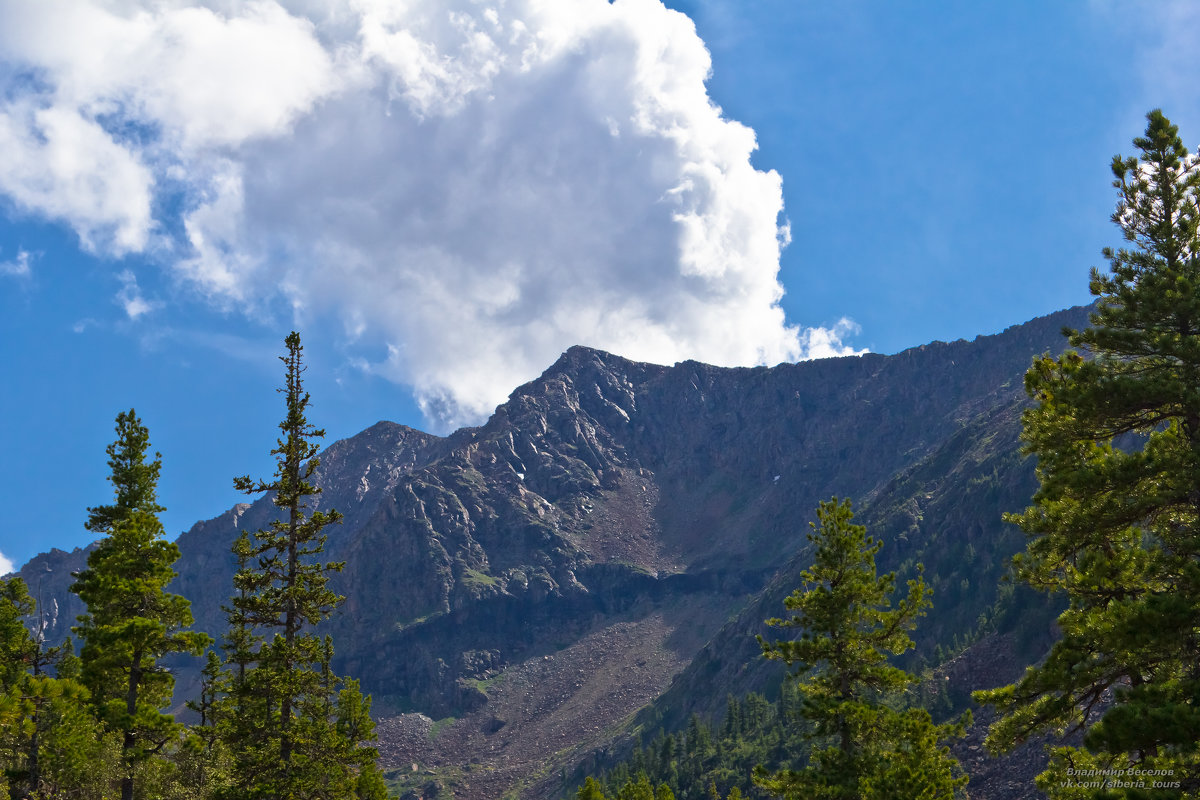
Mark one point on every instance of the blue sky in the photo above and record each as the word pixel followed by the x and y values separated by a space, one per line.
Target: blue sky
pixel 444 197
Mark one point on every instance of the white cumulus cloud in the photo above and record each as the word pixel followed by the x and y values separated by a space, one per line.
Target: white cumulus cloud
pixel 63 163
pixel 6 565
pixel 475 186
pixel 828 342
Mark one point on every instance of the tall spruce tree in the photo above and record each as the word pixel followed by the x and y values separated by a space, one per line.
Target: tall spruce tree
pixel 132 622
pixel 862 747
pixel 281 715
pixel 1115 524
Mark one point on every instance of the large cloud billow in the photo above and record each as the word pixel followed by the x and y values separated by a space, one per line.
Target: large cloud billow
pixel 475 185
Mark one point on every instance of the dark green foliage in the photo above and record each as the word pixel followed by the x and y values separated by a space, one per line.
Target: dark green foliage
pixel 288 731
pixel 356 730
pixel 1115 524
pixel 131 621
pixel 18 648
pixel 206 766
pixel 49 743
pixel 206 704
pixel 639 788
pixel 863 748
pixel 590 790
pixel 702 757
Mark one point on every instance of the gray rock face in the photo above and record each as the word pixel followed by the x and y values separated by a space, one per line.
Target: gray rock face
pixel 609 492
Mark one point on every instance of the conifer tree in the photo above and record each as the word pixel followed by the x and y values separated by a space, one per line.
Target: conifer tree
pixel 204 762
pixel 19 719
pixel 1115 524
pixel 131 621
pixel 590 790
pixel 50 746
pixel 862 747
pixel 17 645
pixel 243 710
pixel 281 717
pixel 356 730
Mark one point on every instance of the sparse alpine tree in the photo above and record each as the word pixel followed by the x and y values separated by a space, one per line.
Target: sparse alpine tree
pixel 863 749
pixel 1115 524
pixel 132 622
pixel 281 716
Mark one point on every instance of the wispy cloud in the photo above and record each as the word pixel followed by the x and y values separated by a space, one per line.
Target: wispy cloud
pixel 18 267
pixel 1162 53
pixel 130 297
pixel 470 189
pixel 240 348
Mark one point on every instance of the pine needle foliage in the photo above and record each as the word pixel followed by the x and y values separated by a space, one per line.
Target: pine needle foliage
pixel 1115 524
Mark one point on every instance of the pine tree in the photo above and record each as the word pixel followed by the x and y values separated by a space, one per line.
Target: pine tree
pixel 131 621
pixel 1115 524
pixel 840 664
pixel 289 731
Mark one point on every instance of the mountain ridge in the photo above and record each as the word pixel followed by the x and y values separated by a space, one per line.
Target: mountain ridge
pixel 603 502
